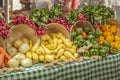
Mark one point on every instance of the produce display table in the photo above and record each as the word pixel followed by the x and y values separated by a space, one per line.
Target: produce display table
pixel 104 69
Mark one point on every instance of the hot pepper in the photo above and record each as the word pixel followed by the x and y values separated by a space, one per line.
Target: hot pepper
pixel 94 52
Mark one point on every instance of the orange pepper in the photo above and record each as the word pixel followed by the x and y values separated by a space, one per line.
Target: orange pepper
pixel 110 38
pixel 105 28
pixel 113 28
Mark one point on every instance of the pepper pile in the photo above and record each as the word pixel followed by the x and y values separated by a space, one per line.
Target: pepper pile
pixel 108 34
pixel 88 43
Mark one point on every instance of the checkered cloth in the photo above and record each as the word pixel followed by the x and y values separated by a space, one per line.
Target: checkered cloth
pixel 105 69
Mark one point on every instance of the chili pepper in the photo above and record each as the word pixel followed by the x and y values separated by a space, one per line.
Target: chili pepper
pixel 94 52
pixel 86 53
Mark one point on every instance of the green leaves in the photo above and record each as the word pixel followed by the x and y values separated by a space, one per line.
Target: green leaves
pixel 98 13
pixel 72 16
pixel 40 16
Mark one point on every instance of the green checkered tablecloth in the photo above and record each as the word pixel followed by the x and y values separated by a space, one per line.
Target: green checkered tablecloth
pixel 104 69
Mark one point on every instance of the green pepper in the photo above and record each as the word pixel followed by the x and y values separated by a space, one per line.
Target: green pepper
pixel 79 31
pixel 94 52
pixel 102 52
pixel 113 50
pixel 87 42
pixel 86 53
pixel 106 48
pixel 97 33
pixel 73 34
pixel 96 46
pixel 89 37
pixel 106 43
pixel 78 37
pixel 87 29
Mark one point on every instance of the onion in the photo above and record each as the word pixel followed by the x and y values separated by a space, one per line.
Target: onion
pixel 13 63
pixel 25 40
pixel 12 51
pixel 17 43
pixel 19 57
pixel 26 62
pixel 24 48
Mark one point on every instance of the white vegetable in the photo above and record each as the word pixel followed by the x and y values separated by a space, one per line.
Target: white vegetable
pixel 26 62
pixel 17 43
pixel 13 63
pixel 12 51
pixel 19 57
pixel 24 48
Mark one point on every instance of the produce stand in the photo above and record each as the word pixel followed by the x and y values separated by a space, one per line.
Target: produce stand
pixel 104 69
pixel 51 45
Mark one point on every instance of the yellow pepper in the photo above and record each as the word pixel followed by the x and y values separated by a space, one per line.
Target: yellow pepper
pixel 101 38
pixel 117 45
pixel 110 38
pixel 105 28
pixel 117 38
pixel 107 33
pixel 113 28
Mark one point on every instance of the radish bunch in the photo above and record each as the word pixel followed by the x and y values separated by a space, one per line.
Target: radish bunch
pixel 82 17
pixel 40 31
pixel 4 29
pixel 63 21
pixel 23 20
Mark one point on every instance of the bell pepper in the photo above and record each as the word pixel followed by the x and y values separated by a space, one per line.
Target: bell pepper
pixel 101 38
pixel 89 37
pixel 87 42
pixel 113 50
pixel 102 52
pixel 94 52
pixel 106 43
pixel 117 45
pixel 97 33
pixel 105 28
pixel 113 28
pixel 86 53
pixel 110 38
pixel 96 46
pixel 117 38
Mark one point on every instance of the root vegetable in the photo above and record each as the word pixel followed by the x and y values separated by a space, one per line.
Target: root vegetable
pixel 17 43
pixel 24 48
pixel 26 62
pixel 12 51
pixel 25 40
pixel 13 63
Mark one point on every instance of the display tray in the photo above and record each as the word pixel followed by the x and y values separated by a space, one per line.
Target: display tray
pixel 104 69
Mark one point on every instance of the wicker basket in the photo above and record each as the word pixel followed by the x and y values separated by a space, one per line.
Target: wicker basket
pixel 82 25
pixel 115 22
pixel 57 28
pixel 21 30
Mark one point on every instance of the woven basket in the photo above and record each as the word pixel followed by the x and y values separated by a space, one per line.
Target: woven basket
pixel 82 25
pixel 115 22
pixel 21 30
pixel 57 28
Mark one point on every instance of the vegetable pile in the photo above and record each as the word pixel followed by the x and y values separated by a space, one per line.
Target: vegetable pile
pixel 4 29
pixel 89 43
pixel 98 14
pixel 108 33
